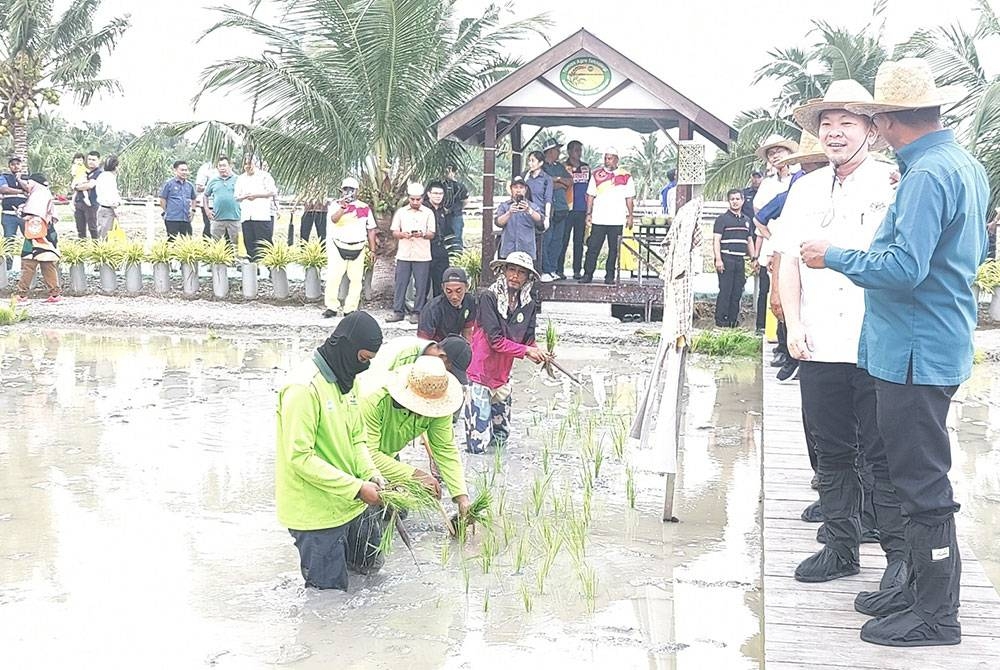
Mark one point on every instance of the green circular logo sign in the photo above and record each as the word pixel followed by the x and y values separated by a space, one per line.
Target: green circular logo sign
pixel 585 76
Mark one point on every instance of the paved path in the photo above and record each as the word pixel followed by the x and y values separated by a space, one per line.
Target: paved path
pixel 814 625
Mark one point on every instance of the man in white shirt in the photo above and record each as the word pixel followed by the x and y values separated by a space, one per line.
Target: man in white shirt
pixel 254 191
pixel 108 197
pixel 351 231
pixel 843 202
pixel 413 228
pixel 610 196
pixel 773 151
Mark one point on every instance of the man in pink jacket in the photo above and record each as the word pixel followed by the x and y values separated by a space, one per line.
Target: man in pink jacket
pixel 505 330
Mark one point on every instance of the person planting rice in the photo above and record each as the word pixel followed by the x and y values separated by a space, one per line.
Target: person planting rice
pixel 419 398
pixel 326 485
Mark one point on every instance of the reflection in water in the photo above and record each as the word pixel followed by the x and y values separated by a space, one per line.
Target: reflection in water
pixel 137 525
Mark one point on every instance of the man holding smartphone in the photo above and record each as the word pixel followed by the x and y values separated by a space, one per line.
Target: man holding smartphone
pixel 413 228
pixel 520 219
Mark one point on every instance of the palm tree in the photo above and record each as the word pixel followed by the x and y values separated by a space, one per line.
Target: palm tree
pixel 355 87
pixel 954 56
pixel 649 164
pixel 43 57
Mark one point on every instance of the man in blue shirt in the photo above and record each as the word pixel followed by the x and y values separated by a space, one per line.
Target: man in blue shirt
pixel 177 199
pixel 576 197
pixel 667 199
pixel 916 339
pixel 554 239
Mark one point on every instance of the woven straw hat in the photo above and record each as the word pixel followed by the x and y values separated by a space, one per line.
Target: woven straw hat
pixel 776 140
pixel 841 95
pixel 906 84
pixel 518 258
pixel 425 388
pixel 810 151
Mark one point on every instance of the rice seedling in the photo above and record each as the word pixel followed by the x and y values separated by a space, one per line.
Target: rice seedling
pixel 551 537
pixel 509 529
pixel 551 339
pixel 619 435
pixel 526 598
pixel 479 508
pixel 544 568
pixel 576 537
pixel 539 487
pixel 561 435
pixel 521 555
pixel 588 584
pixel 10 313
pixel 466 577
pixel 488 551
pixel 598 456
pixel 486 601
pixel 546 462
pixel 445 554
pixel 407 495
pixel 630 486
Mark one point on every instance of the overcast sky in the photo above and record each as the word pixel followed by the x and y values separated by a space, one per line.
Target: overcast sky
pixel 707 49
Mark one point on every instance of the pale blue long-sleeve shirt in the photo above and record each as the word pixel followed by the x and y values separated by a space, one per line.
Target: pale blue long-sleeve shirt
pixel 919 309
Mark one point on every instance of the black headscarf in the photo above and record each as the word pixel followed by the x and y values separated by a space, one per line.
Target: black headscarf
pixel 357 331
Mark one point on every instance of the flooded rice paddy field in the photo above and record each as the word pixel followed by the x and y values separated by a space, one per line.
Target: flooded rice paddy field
pixel 137 526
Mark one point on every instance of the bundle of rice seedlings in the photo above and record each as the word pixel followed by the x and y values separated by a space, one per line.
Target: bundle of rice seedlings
pixel 551 339
pixel 409 496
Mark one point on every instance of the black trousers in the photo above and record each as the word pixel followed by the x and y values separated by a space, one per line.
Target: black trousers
pixel 255 232
pixel 175 228
pixel 912 419
pixel 731 282
pixel 764 286
pixel 841 409
pixel 782 345
pixel 576 227
pixel 311 220
pixel 86 220
pixel 206 223
pixel 326 555
pixel 598 234
pixel 439 263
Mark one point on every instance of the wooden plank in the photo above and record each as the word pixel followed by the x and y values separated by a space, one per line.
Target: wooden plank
pixel 814 625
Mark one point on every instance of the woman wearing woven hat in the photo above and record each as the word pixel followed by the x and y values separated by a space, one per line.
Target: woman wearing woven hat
pixel 505 331
pixel 916 340
pixel 419 398
pixel 326 486
pixel 843 201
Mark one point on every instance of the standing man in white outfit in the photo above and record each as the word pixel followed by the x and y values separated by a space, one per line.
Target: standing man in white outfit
pixel 352 229
pixel 108 197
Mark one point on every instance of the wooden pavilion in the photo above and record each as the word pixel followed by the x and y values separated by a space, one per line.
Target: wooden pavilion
pixel 582 82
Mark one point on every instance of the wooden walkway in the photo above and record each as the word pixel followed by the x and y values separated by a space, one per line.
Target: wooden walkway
pixel 814 625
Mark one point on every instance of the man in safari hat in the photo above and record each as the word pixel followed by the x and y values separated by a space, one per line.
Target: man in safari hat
pixel 844 201
pixel 772 151
pixel 418 398
pixel 506 330
pixel 916 340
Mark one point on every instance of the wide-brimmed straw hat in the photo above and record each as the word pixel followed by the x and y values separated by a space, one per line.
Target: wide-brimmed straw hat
pixel 517 258
pixel 424 387
pixel 776 140
pixel 907 83
pixel 841 95
pixel 810 151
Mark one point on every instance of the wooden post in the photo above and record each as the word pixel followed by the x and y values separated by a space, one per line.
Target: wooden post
pixel 683 191
pixel 489 179
pixel 516 164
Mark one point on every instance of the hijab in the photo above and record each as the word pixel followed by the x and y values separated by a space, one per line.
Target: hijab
pixel 357 331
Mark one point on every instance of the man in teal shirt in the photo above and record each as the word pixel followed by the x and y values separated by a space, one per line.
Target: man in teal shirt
pixel 916 339
pixel 223 209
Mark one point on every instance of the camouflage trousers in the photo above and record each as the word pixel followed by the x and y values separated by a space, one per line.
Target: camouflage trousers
pixel 487 417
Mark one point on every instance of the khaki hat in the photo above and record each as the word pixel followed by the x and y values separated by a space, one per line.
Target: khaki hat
pixel 906 84
pixel 810 151
pixel 424 387
pixel 775 140
pixel 518 258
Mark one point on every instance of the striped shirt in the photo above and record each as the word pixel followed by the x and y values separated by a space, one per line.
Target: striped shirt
pixel 734 229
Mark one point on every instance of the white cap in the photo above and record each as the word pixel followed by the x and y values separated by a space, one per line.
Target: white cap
pixel 350 182
pixel 611 150
pixel 413 189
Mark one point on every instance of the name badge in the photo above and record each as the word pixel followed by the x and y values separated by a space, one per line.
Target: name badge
pixel 520 318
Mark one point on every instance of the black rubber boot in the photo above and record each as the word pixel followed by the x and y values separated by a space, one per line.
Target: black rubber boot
pixel 889 521
pixel 896 573
pixel 813 513
pixel 932 619
pixel 840 497
pixel 885 602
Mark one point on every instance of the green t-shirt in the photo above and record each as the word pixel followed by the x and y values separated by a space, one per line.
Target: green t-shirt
pixel 223 199
pixel 322 459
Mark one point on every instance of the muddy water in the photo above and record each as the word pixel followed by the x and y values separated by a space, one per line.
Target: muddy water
pixel 137 525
